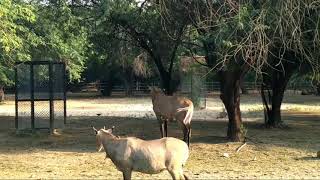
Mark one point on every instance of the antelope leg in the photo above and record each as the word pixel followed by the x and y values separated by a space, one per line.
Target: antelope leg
pixel 166 127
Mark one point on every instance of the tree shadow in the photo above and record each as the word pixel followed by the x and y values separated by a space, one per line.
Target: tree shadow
pixel 300 131
pixel 210 139
pixel 308 158
pixel 78 136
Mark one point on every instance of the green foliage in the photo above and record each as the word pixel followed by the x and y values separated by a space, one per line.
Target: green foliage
pixel 40 31
pixel 145 28
pixel 63 37
pixel 16 38
pixel 109 34
pixel 197 84
pixel 229 36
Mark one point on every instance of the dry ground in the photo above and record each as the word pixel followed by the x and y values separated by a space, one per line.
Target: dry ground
pixel 71 154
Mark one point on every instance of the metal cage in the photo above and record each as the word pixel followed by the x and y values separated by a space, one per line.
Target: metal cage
pixel 40 95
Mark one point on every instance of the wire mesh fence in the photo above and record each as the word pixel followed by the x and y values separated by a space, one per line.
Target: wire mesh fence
pixel 42 114
pixel 59 116
pixel 40 95
pixel 206 87
pixel 24 115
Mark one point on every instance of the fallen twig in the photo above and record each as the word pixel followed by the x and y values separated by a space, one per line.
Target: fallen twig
pixel 239 148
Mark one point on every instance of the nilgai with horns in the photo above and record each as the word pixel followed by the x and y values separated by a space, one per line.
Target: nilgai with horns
pixel 151 157
pixel 168 108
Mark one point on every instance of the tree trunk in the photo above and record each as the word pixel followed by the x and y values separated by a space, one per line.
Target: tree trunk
pixel 128 81
pixel 1 93
pixel 318 89
pixel 276 82
pixel 275 97
pixel 106 90
pixel 243 87
pixel 165 76
pixel 167 84
pixel 230 96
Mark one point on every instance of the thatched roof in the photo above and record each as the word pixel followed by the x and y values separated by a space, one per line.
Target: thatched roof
pixel 140 65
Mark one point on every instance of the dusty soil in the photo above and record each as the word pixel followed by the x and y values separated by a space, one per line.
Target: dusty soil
pixel 70 153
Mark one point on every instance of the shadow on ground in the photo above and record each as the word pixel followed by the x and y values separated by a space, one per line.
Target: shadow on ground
pixel 309 158
pixel 78 135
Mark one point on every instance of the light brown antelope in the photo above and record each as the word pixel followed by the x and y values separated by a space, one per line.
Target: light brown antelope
pixel 168 108
pixel 151 157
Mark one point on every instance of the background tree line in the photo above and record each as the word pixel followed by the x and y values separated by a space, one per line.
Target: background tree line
pixel 117 41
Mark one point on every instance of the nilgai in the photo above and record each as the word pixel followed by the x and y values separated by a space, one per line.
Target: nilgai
pixel 168 108
pixel 151 157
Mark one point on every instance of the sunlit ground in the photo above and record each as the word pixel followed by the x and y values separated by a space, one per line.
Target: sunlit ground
pixel 70 153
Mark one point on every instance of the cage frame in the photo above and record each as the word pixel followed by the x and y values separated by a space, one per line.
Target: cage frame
pixel 32 98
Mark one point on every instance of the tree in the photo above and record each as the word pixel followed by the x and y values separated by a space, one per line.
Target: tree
pixel 228 34
pixel 110 62
pixel 274 81
pixel 293 43
pixel 143 26
pixel 16 38
pixel 64 37
pixel 237 36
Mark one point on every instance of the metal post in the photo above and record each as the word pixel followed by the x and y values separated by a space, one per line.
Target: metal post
pixel 205 92
pixel 205 96
pixel 64 94
pixel 191 95
pixel 32 95
pixel 51 98
pixel 16 96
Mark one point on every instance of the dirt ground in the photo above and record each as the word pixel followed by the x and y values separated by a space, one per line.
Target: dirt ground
pixel 70 153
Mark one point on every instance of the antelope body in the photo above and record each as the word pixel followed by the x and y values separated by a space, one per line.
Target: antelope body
pixel 151 157
pixel 168 108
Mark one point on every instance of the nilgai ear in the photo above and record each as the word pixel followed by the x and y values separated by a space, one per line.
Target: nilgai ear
pixel 104 127
pixel 95 130
pixel 151 88
pixel 157 89
pixel 110 130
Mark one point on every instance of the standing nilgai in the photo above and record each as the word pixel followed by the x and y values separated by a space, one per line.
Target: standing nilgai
pixel 168 108
pixel 151 157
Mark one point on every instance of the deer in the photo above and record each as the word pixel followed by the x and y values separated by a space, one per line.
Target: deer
pixel 170 108
pixel 150 157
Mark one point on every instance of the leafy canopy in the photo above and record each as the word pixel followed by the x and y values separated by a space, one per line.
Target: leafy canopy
pixel 16 37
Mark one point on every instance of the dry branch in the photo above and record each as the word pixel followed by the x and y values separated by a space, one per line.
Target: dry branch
pixel 239 148
pixel 287 25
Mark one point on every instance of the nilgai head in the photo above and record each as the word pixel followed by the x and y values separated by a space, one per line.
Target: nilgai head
pixel 155 92
pixel 154 89
pixel 104 128
pixel 99 136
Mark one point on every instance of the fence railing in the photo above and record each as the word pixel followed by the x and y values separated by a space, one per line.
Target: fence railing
pixel 141 87
pixel 144 87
